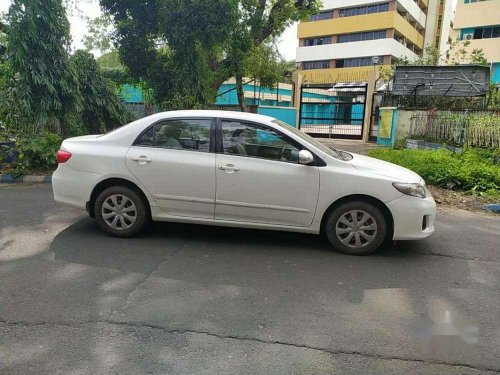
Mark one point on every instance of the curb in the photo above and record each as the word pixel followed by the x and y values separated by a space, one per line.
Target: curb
pixel 11 179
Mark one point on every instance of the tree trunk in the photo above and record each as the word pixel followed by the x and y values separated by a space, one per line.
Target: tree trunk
pixel 240 92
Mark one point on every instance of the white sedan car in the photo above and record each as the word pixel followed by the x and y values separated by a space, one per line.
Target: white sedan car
pixel 240 170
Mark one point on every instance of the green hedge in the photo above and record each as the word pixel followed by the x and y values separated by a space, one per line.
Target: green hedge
pixel 35 154
pixel 474 170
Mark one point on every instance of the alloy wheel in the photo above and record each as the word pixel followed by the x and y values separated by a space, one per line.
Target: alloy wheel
pixel 356 229
pixel 119 212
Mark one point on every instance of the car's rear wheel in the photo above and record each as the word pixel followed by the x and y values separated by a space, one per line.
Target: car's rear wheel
pixel 120 211
pixel 356 228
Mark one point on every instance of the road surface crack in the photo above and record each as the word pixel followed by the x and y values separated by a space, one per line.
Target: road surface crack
pixel 150 275
pixel 455 257
pixel 334 352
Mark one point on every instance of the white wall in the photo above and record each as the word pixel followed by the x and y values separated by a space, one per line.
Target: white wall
pixel 378 47
pixel 414 10
pixel 333 4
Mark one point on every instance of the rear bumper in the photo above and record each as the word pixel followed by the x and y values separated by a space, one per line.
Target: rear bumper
pixel 73 188
pixel 413 217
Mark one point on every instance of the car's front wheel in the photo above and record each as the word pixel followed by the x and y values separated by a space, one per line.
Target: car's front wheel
pixel 120 211
pixel 356 228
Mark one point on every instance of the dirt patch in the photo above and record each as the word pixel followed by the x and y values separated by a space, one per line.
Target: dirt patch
pixel 456 199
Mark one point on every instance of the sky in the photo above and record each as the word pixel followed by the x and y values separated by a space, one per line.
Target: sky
pixel 287 45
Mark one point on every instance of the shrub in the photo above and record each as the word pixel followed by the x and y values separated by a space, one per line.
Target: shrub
pixel 474 170
pixel 36 153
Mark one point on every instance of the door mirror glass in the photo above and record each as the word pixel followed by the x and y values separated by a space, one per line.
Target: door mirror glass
pixel 305 157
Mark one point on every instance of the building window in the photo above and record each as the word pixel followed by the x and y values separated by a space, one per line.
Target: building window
pixel 440 22
pixel 318 41
pixel 367 9
pixel 323 64
pixel 487 32
pixel 326 15
pixel 355 62
pixel 356 37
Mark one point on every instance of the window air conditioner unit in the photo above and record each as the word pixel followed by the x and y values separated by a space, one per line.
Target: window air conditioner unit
pixel 468 36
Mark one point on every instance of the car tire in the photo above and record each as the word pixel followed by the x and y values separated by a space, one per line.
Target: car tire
pixel 121 212
pixel 356 228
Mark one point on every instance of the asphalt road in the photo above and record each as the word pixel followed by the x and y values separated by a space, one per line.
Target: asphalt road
pixel 184 299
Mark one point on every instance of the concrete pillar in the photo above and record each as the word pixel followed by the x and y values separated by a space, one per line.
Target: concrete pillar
pixel 297 79
pixel 370 90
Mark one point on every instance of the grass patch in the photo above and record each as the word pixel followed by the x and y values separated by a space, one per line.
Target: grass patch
pixel 474 170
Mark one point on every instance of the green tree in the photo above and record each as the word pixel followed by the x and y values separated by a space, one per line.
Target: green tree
pixel 194 46
pixel 4 62
pixel 98 37
pixel 101 109
pixel 42 83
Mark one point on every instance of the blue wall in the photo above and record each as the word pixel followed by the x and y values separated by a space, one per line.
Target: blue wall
pixel 288 115
pixel 231 98
pixel 495 74
pixel 131 94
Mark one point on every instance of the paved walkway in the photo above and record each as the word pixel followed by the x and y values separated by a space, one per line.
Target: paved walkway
pixel 358 147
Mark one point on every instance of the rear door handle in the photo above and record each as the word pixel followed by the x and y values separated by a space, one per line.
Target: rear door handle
pixel 230 168
pixel 142 160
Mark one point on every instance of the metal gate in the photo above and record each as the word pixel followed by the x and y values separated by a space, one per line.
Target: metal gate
pixel 377 100
pixel 333 110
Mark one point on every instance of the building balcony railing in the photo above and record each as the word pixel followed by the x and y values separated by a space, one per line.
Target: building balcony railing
pixel 367 22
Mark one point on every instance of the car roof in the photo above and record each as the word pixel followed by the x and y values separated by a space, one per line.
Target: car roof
pixel 212 113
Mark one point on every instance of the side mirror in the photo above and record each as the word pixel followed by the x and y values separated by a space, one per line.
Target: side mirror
pixel 305 157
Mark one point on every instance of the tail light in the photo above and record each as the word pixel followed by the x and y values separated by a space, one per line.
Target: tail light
pixel 63 156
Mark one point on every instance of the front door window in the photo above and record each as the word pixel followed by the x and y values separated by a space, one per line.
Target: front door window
pixel 251 140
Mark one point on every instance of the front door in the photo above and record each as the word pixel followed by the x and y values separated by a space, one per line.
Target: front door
pixel 259 179
pixel 174 161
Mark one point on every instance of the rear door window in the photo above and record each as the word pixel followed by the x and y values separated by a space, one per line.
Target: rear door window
pixel 181 134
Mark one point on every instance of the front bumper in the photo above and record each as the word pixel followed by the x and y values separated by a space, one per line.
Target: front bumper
pixel 413 217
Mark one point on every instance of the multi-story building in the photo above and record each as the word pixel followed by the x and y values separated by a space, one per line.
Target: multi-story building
pixel 438 27
pixel 478 21
pixel 345 40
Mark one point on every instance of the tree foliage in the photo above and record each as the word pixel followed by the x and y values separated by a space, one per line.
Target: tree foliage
pixel 184 49
pixel 43 84
pixel 45 88
pixel 101 108
pixel 98 36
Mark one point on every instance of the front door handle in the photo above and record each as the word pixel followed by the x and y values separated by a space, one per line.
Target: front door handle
pixel 142 160
pixel 229 168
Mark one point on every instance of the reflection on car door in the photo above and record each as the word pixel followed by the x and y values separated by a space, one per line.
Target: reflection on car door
pixel 174 161
pixel 260 180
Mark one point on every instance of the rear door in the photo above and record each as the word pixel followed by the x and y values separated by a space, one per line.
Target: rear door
pixel 174 160
pixel 259 179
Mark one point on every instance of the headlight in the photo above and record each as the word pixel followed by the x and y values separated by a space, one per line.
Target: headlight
pixel 415 190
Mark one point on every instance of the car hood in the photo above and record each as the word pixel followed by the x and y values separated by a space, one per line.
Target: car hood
pixel 383 168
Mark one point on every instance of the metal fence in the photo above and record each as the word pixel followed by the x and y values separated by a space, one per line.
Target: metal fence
pixel 478 129
pixel 415 102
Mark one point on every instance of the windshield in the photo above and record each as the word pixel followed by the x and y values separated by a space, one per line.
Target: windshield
pixel 327 150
